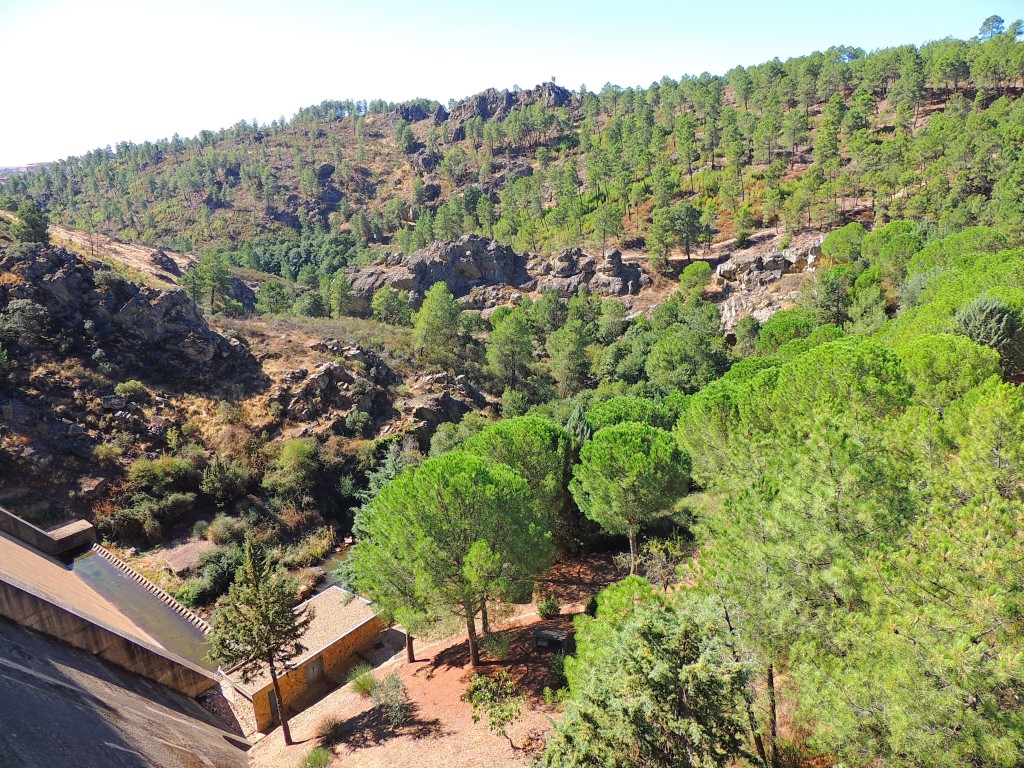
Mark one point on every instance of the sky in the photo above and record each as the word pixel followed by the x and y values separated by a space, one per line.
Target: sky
pixel 81 75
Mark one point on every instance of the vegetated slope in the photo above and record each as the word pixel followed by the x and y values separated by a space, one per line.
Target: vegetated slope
pixel 855 461
pixel 901 131
pixel 119 397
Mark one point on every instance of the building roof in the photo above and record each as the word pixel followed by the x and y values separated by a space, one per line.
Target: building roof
pixel 336 613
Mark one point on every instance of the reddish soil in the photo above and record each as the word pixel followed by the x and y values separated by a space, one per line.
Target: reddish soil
pixel 441 731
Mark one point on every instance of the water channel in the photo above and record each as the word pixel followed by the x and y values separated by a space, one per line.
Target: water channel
pixel 158 620
pixel 328 566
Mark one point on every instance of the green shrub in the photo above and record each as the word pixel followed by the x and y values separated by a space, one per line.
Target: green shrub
pixel 990 322
pixel 107 452
pixel 23 321
pixel 200 528
pixel 161 476
pixel 310 551
pixel 133 391
pixel 224 530
pixel 843 246
pixel 747 330
pixel 549 607
pixel 695 278
pixel 785 326
pixel 330 731
pixel 392 698
pixel 357 422
pixel 295 470
pixel 218 572
pixel 362 679
pixel 556 671
pixel 498 699
pixel 146 516
pixel 319 757
pixel 224 481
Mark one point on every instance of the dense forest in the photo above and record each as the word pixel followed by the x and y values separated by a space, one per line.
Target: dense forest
pixel 908 131
pixel 823 511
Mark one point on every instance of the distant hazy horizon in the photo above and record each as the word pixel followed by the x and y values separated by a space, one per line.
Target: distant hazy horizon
pixel 94 75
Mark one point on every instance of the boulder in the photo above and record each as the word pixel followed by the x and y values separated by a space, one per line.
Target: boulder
pixel 165 262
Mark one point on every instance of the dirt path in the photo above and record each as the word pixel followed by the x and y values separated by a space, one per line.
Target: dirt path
pixel 138 258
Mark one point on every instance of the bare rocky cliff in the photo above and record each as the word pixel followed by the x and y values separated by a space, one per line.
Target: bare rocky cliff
pixel 483 274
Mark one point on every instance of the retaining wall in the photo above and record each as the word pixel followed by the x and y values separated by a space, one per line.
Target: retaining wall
pixel 76 535
pixel 21 603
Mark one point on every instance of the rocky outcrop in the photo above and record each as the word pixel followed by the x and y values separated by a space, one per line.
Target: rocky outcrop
pixel 571 268
pixel 483 274
pixel 356 380
pixel 414 112
pixel 242 293
pixel 465 264
pixel 161 260
pixel 73 329
pixel 495 104
pixel 436 399
pixel 759 284
pixel 88 310
pixel 753 269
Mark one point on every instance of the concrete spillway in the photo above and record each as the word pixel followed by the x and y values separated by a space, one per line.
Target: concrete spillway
pixel 173 631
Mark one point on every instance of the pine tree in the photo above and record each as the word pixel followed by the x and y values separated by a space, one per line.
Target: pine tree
pixel 255 625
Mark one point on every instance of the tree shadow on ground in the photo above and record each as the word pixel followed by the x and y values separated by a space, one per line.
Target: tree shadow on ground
pixel 527 666
pixel 576 581
pixel 372 728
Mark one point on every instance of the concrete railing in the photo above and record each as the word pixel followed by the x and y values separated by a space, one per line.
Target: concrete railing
pixel 72 536
pixel 161 594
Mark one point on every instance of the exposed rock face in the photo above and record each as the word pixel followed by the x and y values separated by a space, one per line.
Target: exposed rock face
pixel 153 334
pixel 356 380
pixel 242 293
pixel 165 262
pixel 483 274
pixel 436 399
pixel 465 264
pixel 496 104
pixel 66 321
pixel 760 284
pixel 414 112
pixel 571 268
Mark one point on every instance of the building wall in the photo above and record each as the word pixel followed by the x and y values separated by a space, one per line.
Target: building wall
pixel 338 658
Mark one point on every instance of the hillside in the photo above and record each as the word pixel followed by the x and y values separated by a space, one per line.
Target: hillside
pixel 756 339
pixel 801 143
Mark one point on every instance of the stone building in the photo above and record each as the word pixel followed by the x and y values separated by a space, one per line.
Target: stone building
pixel 343 626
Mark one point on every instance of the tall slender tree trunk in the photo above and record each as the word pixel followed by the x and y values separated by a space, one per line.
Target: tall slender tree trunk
pixel 773 730
pixel 474 650
pixel 632 552
pixel 484 619
pixel 755 732
pixel 280 705
pixel 410 655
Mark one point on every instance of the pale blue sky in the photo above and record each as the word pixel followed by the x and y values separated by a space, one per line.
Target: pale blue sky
pixel 82 75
